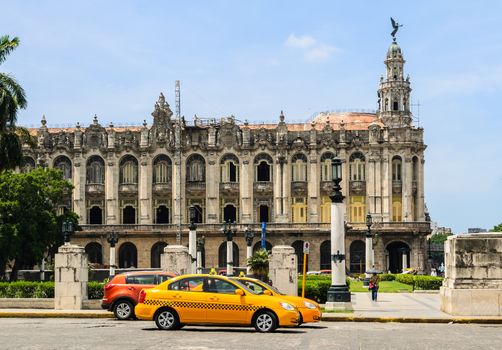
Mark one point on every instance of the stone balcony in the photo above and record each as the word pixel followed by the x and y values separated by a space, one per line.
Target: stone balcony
pixel 397 186
pixel 95 188
pixel 128 188
pixel 263 186
pixel 299 188
pixel 162 187
pixel 230 188
pixel 357 187
pixel 326 187
pixel 195 188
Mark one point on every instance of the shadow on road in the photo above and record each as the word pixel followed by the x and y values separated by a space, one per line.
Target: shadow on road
pixel 233 330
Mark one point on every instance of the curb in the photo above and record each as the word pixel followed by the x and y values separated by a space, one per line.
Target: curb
pixel 24 314
pixel 457 320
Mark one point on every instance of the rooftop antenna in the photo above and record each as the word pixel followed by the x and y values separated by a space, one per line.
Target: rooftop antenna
pixel 177 147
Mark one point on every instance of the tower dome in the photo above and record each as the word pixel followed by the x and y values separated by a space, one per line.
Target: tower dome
pixel 394 51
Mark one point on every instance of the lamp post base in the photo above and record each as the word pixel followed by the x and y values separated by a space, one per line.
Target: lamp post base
pixel 338 293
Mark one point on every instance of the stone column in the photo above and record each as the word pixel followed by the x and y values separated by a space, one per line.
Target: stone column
pixel 313 177
pixel 369 254
pixel 112 190
pixel 246 175
pixel 420 191
pixel 79 205
pixel 71 276
pixel 371 185
pixel 145 190
pixel 176 259
pixel 212 190
pixel 405 260
pixel 282 269
pixel 387 187
pixel 407 178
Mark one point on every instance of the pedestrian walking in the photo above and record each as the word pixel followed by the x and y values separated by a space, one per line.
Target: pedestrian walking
pixel 374 282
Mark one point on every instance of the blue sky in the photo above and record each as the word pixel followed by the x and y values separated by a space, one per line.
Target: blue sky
pixel 253 59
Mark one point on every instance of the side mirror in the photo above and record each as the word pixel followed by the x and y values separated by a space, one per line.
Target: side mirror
pixel 267 292
pixel 239 292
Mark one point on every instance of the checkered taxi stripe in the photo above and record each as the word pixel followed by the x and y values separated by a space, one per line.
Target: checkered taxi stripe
pixel 196 305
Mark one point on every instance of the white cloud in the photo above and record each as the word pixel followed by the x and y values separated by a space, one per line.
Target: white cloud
pixel 313 49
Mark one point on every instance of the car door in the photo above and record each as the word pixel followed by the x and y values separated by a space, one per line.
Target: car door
pixel 187 297
pixel 224 306
pixel 135 283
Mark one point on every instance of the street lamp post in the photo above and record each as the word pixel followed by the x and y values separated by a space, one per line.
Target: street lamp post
pixel 369 251
pixel 200 247
pixel 249 235
pixel 338 293
pixel 112 238
pixel 67 231
pixel 192 238
pixel 229 231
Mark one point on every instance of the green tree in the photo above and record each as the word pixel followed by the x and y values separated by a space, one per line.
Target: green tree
pixel 497 228
pixel 439 237
pixel 259 264
pixel 12 98
pixel 30 225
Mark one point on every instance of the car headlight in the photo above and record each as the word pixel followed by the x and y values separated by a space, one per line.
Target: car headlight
pixel 309 305
pixel 287 306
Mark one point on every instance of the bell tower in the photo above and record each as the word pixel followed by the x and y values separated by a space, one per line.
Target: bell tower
pixel 394 91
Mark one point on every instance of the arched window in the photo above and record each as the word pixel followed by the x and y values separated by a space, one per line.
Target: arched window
pixel 299 209
pixel 326 174
pixel 230 213
pixel 357 257
pixel 128 256
pixel 95 170
pixel 27 165
pixel 399 256
pixel 386 105
pixel 162 169
pixel 94 253
pixel 229 168
pixel 95 215
pixel 128 170
pixel 396 168
pixel 263 165
pixel 415 169
pixel 298 246
pixel 299 167
pixel 129 215
pixel 397 208
pixel 357 167
pixel 196 168
pixel 395 105
pixel 162 215
pixel 222 255
pixel 325 252
pixel 155 254
pixel 63 163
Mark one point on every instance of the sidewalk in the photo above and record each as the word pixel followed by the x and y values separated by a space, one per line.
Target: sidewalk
pixel 390 307
pixel 402 307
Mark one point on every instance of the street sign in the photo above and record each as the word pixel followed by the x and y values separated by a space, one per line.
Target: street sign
pixel 306 248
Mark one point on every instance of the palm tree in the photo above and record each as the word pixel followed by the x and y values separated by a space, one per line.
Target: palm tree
pixel 259 264
pixel 12 98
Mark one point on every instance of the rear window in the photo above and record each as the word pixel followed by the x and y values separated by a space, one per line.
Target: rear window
pixel 141 279
pixel 162 278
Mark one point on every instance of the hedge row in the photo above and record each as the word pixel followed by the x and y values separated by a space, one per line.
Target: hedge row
pixel 422 282
pixel 30 289
pixel 316 287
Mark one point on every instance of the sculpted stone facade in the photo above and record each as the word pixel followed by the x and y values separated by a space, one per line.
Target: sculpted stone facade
pixel 126 180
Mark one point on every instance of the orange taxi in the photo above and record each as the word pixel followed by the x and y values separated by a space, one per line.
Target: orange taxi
pixel 309 309
pixel 213 300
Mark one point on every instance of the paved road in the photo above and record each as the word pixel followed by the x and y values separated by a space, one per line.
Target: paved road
pixel 16 333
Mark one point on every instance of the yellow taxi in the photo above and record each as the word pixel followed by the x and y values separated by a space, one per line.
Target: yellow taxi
pixel 309 309
pixel 212 299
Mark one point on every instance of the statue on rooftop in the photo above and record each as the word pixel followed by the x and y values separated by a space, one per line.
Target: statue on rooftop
pixel 395 27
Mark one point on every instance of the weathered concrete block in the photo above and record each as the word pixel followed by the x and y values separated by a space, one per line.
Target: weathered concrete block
pixel 283 269
pixel 71 276
pixel 176 259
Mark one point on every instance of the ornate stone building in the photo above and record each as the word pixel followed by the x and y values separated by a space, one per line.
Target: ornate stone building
pixel 140 181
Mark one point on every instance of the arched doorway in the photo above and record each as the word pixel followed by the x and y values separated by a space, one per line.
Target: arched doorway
pixel 128 256
pixel 257 246
pixel 395 252
pixel 357 257
pixel 325 252
pixel 222 255
pixel 94 253
pixel 95 216
pixel 155 254
pixel 230 213
pixel 129 215
pixel 162 215
pixel 298 246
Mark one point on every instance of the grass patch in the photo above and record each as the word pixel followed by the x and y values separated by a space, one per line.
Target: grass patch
pixel 323 309
pixel 385 287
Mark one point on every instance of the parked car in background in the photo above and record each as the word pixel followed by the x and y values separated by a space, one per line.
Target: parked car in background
pixel 309 309
pixel 122 291
pixel 213 299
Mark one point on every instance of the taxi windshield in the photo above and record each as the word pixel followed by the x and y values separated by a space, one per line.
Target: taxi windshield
pixel 243 286
pixel 275 290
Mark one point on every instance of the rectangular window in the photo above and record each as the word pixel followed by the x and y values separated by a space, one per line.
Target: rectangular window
pixel 357 208
pixel 299 210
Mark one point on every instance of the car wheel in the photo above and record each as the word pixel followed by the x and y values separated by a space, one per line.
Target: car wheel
pixel 300 320
pixel 265 322
pixel 123 310
pixel 167 320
